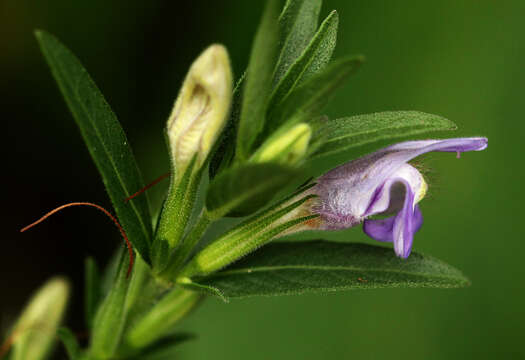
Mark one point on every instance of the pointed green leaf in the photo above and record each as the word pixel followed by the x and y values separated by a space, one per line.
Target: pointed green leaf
pixel 322 46
pixel 92 288
pixel 70 343
pixel 104 138
pixel 245 189
pixel 342 138
pixel 308 99
pixel 315 57
pixel 297 24
pixel 343 134
pixel 203 289
pixel 318 266
pixel 258 82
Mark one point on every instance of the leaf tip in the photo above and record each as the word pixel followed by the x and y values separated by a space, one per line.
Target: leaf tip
pixel 39 34
pixel 333 13
pixel 465 282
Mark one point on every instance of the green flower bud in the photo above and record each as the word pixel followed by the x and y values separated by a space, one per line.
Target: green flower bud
pixel 35 331
pixel 287 148
pixel 201 109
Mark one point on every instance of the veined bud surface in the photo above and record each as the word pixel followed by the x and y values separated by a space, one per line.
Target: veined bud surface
pixel 201 108
pixel 35 331
pixel 288 148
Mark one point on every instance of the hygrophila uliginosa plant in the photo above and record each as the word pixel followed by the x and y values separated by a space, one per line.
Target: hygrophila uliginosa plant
pixel 271 157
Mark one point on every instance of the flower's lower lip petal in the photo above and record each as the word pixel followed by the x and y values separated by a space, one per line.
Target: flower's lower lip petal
pixel 380 230
pixel 404 226
pixel 400 228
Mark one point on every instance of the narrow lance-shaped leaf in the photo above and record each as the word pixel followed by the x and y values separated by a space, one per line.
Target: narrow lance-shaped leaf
pixel 308 99
pixel 297 24
pixel 104 138
pixel 315 57
pixel 322 46
pixel 341 138
pixel 245 189
pixel 258 83
pixel 346 133
pixel 318 266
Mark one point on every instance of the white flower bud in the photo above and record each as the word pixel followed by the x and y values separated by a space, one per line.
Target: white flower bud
pixel 35 331
pixel 201 108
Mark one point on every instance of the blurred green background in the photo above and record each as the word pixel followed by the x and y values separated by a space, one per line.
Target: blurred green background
pixel 460 59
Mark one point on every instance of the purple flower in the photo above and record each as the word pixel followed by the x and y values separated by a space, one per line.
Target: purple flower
pixel 382 183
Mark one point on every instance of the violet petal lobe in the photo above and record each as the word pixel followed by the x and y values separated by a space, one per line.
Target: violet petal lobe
pixel 400 228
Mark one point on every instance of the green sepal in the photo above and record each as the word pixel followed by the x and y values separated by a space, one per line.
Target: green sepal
pixel 320 266
pixel 258 83
pixel 244 189
pixel 190 240
pixel 110 319
pixel 247 236
pixel 306 101
pixel 348 138
pixel 92 290
pixel 297 24
pixel 70 343
pixel 175 215
pixel 314 58
pixel 224 152
pixel 104 138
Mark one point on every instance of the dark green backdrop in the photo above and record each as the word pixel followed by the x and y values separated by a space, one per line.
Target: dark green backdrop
pixel 460 59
